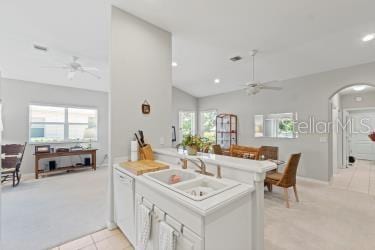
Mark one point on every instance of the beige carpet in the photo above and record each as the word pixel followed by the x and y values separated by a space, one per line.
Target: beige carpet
pixel 40 214
pixel 326 218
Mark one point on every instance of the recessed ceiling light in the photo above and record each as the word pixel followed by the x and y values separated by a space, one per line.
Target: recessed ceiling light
pixel 359 87
pixel 368 37
pixel 217 81
pixel 358 99
pixel 174 64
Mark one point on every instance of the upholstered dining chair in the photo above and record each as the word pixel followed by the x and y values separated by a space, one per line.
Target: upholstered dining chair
pixel 286 179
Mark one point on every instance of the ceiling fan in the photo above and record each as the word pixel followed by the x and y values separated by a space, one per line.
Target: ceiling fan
pixel 75 67
pixel 254 87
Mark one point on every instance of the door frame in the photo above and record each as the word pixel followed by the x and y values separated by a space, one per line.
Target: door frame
pixel 330 139
pixel 346 144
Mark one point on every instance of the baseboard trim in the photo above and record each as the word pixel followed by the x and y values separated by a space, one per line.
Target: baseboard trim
pixel 32 175
pixel 313 180
pixel 111 225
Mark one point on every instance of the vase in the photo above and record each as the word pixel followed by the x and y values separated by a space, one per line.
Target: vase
pixel 192 150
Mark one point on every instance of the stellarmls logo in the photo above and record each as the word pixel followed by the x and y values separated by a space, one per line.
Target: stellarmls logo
pixel 314 126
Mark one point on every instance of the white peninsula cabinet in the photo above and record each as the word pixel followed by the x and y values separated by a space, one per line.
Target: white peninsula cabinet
pixel 219 222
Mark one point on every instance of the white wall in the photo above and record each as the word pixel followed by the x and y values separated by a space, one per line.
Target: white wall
pixel 141 58
pixel 368 99
pixel 308 96
pixel 336 135
pixel 16 97
pixel 182 101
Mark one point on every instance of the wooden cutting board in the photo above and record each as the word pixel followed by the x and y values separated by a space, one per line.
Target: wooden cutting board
pixel 143 166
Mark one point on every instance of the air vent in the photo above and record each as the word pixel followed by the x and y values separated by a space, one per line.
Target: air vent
pixel 41 48
pixel 236 58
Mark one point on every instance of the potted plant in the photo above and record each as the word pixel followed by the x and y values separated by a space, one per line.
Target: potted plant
pixel 372 136
pixel 192 144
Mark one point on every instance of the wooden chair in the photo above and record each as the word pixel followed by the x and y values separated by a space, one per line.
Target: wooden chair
pixel 286 179
pixel 216 149
pixel 11 164
pixel 240 151
pixel 269 152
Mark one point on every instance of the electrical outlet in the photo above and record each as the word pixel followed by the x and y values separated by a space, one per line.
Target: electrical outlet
pixel 162 141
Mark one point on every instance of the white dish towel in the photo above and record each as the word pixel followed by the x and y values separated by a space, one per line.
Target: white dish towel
pixel 144 230
pixel 185 244
pixel 167 238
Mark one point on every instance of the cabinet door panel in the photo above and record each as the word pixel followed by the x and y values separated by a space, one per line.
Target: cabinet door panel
pixel 187 240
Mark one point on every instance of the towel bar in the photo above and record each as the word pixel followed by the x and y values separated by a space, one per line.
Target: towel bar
pixel 152 210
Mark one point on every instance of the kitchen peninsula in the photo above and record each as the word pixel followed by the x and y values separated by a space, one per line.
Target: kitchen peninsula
pixel 220 211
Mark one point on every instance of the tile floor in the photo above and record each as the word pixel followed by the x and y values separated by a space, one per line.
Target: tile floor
pixel 358 178
pixel 329 217
pixel 326 218
pixel 101 240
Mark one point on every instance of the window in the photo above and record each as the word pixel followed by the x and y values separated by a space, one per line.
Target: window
pixel 275 125
pixel 82 124
pixel 186 123
pixel 61 124
pixel 208 124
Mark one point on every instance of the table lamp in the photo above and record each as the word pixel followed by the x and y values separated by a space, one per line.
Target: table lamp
pixel 89 134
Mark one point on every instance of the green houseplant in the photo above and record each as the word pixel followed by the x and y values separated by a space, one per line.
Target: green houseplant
pixel 192 144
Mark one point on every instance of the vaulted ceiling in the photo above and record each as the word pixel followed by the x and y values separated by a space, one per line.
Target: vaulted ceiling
pixel 294 37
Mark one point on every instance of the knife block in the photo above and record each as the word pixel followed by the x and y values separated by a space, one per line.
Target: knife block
pixel 146 153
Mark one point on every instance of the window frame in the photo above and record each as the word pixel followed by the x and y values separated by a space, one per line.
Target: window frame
pixel 65 123
pixel 275 131
pixel 194 123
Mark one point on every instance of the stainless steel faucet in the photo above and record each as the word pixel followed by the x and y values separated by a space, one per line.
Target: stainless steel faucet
pixel 202 167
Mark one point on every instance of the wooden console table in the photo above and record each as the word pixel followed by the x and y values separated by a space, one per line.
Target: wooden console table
pixel 40 156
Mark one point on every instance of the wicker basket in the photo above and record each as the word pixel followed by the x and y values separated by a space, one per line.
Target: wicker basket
pixel 192 150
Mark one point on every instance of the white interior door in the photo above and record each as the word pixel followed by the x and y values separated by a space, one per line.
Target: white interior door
pixel 360 145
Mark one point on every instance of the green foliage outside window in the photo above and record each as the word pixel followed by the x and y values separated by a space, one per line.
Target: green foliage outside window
pixel 286 127
pixel 208 125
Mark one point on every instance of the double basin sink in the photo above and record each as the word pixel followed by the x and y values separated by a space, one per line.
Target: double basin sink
pixel 191 184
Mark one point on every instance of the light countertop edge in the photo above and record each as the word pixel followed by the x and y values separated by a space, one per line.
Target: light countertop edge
pixel 224 161
pixel 204 207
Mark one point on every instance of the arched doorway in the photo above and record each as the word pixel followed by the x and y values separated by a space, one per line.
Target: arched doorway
pixel 338 140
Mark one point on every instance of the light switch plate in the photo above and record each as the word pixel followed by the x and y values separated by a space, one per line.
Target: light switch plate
pixel 323 139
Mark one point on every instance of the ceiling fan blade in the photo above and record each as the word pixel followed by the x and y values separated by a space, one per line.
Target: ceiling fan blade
pixel 250 84
pixel 90 69
pixel 57 67
pixel 270 82
pixel 272 88
pixel 94 75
